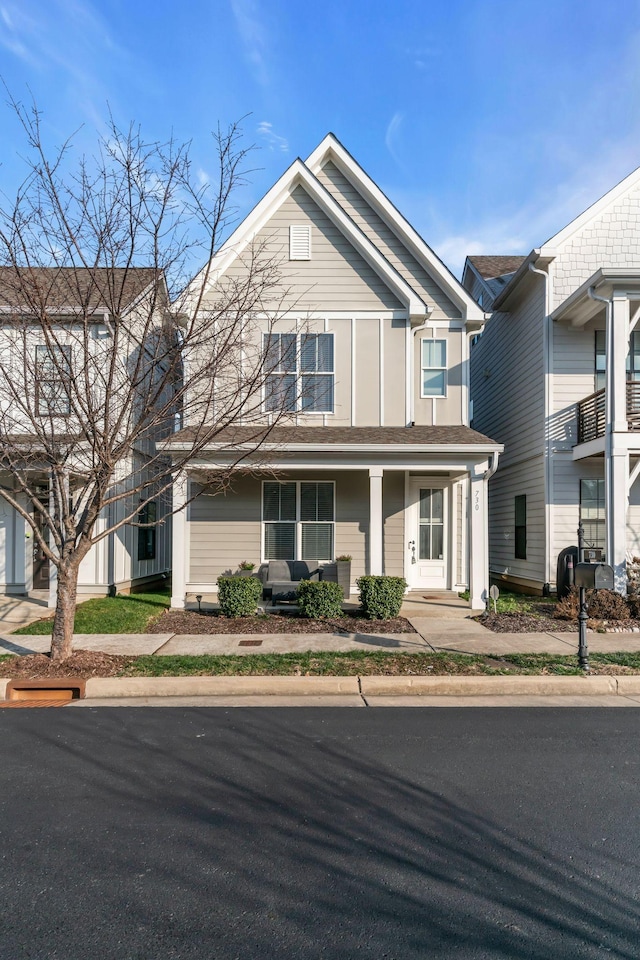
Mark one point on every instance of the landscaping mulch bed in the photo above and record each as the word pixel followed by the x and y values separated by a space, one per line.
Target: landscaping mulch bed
pixel 83 665
pixel 532 623
pixel 190 621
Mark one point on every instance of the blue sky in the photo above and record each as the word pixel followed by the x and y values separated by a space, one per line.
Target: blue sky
pixel 490 123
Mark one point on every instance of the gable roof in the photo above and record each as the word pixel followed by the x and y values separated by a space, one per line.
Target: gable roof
pixel 304 174
pixel 331 149
pixel 492 266
pixel 61 289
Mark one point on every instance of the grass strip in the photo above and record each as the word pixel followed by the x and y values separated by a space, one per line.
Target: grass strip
pixel 121 614
pixel 363 663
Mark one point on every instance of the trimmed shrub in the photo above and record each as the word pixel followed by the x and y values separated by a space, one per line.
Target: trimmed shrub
pixel 601 605
pixel 318 599
pixel 381 597
pixel 238 596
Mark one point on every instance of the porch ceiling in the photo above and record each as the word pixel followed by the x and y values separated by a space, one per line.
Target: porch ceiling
pixel 579 308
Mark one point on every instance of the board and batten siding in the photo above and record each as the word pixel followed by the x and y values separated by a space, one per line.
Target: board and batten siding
pixel 336 277
pixel 394 532
pixel 386 241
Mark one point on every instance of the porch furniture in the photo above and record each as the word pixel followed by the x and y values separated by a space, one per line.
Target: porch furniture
pixel 281 578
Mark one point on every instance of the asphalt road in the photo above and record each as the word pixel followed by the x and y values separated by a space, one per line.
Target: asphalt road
pixel 264 833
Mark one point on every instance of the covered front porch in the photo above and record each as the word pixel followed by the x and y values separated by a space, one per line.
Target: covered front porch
pixel 608 420
pixel 410 509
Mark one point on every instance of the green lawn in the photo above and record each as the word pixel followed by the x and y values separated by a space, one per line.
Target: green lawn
pixel 121 614
pixel 364 663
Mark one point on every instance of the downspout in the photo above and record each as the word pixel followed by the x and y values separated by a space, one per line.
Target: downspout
pixel 412 365
pixel 546 351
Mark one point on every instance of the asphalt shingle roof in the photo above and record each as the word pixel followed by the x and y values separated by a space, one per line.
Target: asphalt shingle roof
pixel 441 436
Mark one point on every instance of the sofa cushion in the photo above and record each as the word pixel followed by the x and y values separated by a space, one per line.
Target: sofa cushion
pixel 279 570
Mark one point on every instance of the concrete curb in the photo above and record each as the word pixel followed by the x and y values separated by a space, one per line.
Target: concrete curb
pixel 108 688
pixel 219 686
pixel 526 686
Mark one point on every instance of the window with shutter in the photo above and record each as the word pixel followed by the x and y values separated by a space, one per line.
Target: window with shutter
pixel 300 241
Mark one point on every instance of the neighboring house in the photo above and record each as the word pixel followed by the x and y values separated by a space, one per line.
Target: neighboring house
pixel 131 556
pixel 556 378
pixel 376 458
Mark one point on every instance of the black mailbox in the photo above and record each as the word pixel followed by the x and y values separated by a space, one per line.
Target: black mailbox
pixel 594 576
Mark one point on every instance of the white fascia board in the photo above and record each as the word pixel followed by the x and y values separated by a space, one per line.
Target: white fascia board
pixel 629 183
pixel 606 280
pixel 331 148
pixel 317 448
pixel 469 266
pixel 299 174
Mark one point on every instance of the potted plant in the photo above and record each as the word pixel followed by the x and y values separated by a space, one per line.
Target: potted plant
pixel 246 568
pixel 343 569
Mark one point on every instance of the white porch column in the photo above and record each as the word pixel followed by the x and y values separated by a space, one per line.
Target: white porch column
pixel 616 454
pixel 179 558
pixel 375 521
pixel 478 538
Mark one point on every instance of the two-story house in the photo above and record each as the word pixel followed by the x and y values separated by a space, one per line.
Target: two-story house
pixel 58 327
pixel 555 377
pixel 369 352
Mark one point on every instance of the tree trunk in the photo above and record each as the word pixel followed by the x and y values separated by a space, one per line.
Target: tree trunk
pixel 62 635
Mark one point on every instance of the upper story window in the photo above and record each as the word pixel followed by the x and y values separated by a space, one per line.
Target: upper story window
pixel 300 372
pixel 53 380
pixel 633 359
pixel 300 241
pixel 434 368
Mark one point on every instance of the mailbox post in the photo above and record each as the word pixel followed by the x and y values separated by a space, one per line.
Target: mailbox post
pixel 588 576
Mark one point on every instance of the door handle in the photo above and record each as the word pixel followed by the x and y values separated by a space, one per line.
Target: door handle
pixel 412 547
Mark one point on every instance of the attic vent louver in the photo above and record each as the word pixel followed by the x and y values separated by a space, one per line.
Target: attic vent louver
pixel 299 241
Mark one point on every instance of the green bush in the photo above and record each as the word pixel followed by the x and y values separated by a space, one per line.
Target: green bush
pixel 318 599
pixel 238 596
pixel 381 597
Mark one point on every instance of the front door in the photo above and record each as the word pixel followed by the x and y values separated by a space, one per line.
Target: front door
pixel 428 536
pixel 40 561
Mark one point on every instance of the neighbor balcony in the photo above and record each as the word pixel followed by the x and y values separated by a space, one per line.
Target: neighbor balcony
pixel 592 416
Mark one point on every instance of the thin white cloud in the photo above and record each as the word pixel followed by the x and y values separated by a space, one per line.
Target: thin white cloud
pixel 254 37
pixel 391 135
pixel 271 138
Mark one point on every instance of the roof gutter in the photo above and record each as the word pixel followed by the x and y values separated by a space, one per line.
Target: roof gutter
pixel 548 360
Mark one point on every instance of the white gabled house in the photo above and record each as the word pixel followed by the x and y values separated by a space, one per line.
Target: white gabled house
pixel 376 458
pixel 556 378
pixel 63 331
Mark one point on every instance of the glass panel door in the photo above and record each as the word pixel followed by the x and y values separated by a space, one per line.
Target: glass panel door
pixel 431 524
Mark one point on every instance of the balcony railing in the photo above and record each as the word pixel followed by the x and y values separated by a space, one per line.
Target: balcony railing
pixel 592 416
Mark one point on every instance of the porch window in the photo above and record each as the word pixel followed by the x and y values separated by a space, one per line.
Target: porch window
pixel 53 380
pixel 592 512
pixel 633 359
pixel 299 520
pixel 300 372
pixel 147 535
pixel 434 368
pixel 520 538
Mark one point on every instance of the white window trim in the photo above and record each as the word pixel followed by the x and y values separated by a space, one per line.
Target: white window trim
pixel 297 522
pixel 298 376
pixel 445 369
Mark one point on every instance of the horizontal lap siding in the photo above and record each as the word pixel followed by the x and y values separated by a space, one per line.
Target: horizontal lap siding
pixel 573 379
pixel 387 242
pixel 524 478
pixel 394 535
pixel 336 277
pixel 224 530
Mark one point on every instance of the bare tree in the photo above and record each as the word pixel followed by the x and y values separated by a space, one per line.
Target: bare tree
pixel 96 365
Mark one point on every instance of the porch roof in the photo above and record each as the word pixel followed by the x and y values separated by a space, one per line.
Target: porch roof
pixel 579 307
pixel 446 438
